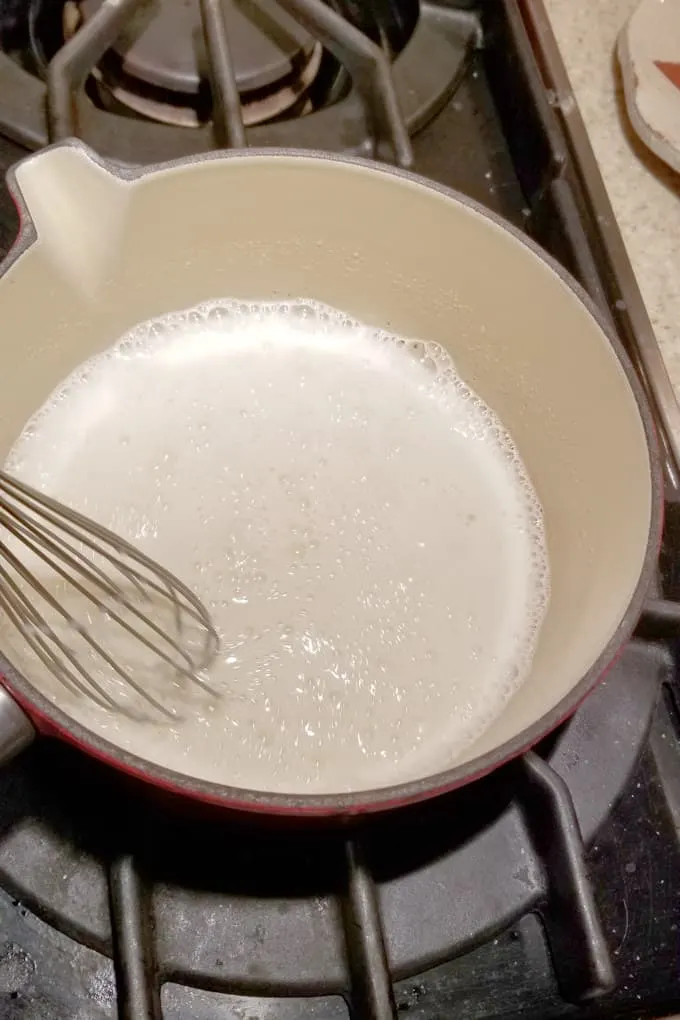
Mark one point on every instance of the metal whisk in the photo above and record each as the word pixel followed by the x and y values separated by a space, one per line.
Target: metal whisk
pixel 88 604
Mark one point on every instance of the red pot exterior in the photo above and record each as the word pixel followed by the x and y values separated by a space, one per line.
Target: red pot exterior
pixel 50 721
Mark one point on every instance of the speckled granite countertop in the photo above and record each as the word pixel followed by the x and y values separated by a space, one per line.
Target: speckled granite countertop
pixel 644 192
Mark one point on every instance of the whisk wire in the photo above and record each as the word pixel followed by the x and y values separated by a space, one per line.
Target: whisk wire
pixel 64 518
pixel 55 513
pixel 32 518
pixel 92 572
pixel 34 638
pixel 76 626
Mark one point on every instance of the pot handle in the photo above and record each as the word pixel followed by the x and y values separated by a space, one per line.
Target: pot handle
pixel 16 729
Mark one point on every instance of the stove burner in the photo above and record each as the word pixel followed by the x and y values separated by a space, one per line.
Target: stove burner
pixel 431 46
pixel 289 96
pixel 157 70
pixel 159 46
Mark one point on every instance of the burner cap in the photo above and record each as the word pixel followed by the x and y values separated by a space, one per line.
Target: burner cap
pixel 256 108
pixel 163 45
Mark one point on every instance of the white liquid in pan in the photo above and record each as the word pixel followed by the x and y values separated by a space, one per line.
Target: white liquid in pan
pixel 358 522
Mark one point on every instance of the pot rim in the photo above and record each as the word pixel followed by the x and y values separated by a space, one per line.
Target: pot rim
pixel 50 719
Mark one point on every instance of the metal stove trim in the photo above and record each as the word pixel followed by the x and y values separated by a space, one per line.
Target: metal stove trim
pixel 661 393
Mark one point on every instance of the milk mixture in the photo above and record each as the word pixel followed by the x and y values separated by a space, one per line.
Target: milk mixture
pixel 357 521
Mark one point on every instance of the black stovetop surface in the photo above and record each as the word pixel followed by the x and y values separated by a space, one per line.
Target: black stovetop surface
pixel 551 889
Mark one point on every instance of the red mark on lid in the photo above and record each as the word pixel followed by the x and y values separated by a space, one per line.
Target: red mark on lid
pixel 670 70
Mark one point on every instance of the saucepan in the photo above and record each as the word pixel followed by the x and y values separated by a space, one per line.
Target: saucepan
pixel 103 247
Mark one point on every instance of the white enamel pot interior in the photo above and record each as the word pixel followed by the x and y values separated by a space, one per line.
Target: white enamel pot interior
pixel 102 248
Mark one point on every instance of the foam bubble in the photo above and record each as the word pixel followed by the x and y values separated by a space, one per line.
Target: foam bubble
pixel 358 521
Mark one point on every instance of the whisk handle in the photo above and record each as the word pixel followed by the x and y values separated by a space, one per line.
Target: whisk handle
pixel 16 729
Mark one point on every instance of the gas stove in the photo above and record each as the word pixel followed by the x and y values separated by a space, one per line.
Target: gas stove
pixel 550 889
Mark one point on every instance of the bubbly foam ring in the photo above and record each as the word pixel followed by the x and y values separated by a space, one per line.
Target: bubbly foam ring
pixel 358 521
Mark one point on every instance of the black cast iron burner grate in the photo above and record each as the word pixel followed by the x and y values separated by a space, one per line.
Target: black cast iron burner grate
pixel 239 908
pixel 386 102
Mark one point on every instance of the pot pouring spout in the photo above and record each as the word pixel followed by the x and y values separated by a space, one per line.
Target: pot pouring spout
pixel 77 209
